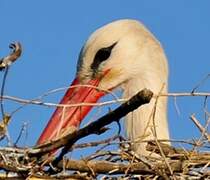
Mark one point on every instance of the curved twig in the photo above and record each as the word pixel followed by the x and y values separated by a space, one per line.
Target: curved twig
pixel 12 57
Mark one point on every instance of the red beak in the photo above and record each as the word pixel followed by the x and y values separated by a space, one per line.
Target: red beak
pixel 63 119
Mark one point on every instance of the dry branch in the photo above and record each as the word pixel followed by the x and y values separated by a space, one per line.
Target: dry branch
pixel 200 127
pixel 105 167
pixel 178 153
pixel 118 100
pixel 139 99
pixel 180 161
pixel 12 57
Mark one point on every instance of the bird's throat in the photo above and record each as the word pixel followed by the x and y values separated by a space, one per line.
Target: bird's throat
pixel 149 121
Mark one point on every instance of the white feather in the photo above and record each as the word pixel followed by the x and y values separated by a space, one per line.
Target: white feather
pixel 136 62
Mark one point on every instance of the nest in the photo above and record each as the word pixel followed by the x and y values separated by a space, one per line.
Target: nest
pixel 112 158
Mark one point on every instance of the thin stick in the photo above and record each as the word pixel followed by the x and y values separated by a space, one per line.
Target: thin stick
pixel 120 100
pixel 200 127
pixel 2 90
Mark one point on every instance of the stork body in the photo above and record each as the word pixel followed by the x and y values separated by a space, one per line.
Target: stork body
pixel 122 54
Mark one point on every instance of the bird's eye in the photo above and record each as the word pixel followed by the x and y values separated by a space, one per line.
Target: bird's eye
pixel 102 55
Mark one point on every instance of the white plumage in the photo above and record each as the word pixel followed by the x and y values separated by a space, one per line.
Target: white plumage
pixel 137 61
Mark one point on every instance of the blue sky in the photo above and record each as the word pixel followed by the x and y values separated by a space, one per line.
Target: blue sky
pixel 53 32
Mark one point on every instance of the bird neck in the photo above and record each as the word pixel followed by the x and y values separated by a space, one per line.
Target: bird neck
pixel 148 121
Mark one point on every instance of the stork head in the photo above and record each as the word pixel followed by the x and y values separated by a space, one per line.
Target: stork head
pixel 119 52
pixel 112 56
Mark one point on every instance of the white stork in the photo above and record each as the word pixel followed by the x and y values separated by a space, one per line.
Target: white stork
pixel 122 54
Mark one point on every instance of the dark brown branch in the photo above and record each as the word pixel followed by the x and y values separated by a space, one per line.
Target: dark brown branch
pixel 139 99
pixel 12 57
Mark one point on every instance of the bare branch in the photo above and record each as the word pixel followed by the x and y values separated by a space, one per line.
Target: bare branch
pixel 139 99
pixel 11 58
pixel 105 167
pixel 200 127
pixel 96 143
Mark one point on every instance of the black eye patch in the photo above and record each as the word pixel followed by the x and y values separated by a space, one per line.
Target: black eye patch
pixel 101 55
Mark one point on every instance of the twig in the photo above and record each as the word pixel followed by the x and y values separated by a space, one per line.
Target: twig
pixel 12 57
pixel 200 127
pixel 76 86
pixel 182 94
pixel 38 102
pixel 96 143
pixel 102 154
pixel 23 128
pixel 156 138
pixel 201 82
pixel 2 90
pixel 119 100
pixel 139 99
pixel 104 167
